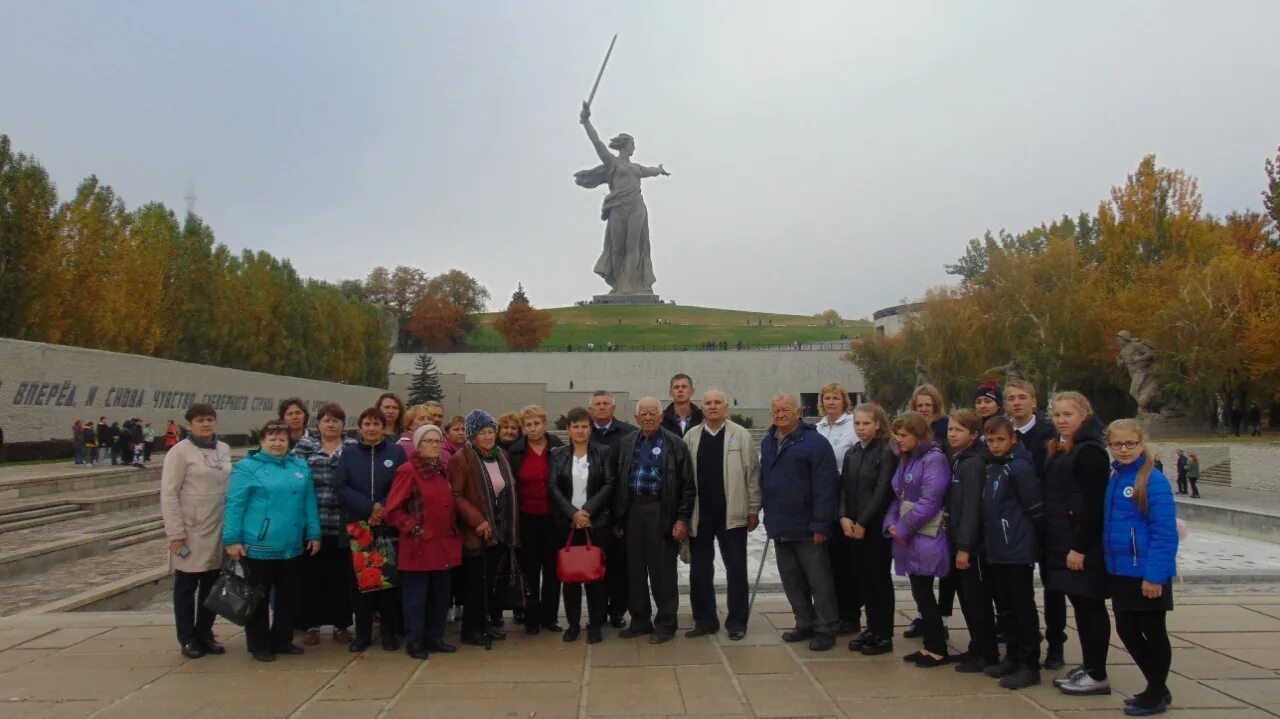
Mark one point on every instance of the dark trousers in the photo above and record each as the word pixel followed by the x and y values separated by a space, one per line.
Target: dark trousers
pixel 425 598
pixel 617 580
pixel 597 592
pixel 322 580
pixel 848 593
pixel 480 577
pixel 1014 584
pixel 1195 490
pixel 146 451
pixel 538 564
pixel 1055 618
pixel 973 585
pixel 930 616
pixel 1145 636
pixel 385 603
pixel 279 579
pixel 947 592
pixel 805 572
pixel 702 574
pixel 651 555
pixel 872 559
pixel 193 621
pixel 1182 484
pixel 1094 625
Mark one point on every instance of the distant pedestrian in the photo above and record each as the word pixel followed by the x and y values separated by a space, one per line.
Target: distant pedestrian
pixel 148 441
pixel 1182 472
pixel 1193 475
pixel 77 443
pixel 106 441
pixel 90 436
pixel 170 435
pixel 1255 420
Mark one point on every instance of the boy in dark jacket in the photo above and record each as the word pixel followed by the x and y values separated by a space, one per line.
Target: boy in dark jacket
pixel 1011 516
pixel 964 530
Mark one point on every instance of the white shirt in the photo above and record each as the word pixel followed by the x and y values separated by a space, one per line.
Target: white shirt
pixel 581 470
pixel 840 435
pixel 713 432
pixel 1027 427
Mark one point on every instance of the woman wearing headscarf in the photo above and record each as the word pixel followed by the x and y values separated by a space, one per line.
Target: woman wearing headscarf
pixel 485 491
pixel 422 508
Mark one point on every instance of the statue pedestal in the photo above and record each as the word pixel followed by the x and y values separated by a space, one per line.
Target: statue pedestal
pixel 649 299
pixel 1163 427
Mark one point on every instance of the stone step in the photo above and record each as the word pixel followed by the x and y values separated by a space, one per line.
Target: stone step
pixel 39 521
pixel 136 536
pixel 45 513
pixel 73 480
pixel 1219 473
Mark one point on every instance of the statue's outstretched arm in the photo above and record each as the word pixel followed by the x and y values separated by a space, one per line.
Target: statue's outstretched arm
pixel 653 171
pixel 603 152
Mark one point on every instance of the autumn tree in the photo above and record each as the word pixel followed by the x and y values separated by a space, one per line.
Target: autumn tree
pixel 438 324
pixel 28 238
pixel 522 327
pixel 1271 195
pixel 463 292
pixel 399 291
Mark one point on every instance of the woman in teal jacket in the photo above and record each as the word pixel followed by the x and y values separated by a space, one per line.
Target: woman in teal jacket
pixel 1140 544
pixel 270 514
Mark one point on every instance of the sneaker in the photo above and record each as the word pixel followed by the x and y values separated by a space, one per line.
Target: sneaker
pixel 1020 678
pixel 1068 676
pixel 1002 669
pixel 913 629
pixel 1083 685
pixel 877 646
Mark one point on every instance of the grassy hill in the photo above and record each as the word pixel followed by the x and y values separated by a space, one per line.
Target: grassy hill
pixel 682 327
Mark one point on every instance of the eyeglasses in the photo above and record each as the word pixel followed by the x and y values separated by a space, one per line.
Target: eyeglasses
pixel 1130 445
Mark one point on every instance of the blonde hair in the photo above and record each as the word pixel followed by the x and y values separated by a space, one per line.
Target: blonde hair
pixel 836 388
pixel 1063 444
pixel 1017 383
pixel 411 414
pixel 968 419
pixel 1144 474
pixel 915 424
pixel 533 410
pixel 928 390
pixel 878 416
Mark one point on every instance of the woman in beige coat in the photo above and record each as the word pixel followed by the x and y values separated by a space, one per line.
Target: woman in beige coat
pixel 193 492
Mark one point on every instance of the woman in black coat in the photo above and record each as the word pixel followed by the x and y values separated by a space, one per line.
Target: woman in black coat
pixel 866 479
pixel 581 493
pixel 1075 489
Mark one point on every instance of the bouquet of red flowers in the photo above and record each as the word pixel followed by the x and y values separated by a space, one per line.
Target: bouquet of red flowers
pixel 373 556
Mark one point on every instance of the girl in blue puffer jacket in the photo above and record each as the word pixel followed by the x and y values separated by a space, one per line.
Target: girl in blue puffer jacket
pixel 1140 544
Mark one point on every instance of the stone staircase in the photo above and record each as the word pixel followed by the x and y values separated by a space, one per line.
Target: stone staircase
pixel 1219 474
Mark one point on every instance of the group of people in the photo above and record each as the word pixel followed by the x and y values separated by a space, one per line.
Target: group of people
pixel 969 501
pixel 129 443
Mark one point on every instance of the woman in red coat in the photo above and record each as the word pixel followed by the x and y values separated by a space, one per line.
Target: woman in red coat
pixel 420 505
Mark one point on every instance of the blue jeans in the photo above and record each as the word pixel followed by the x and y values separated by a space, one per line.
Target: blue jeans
pixel 425 597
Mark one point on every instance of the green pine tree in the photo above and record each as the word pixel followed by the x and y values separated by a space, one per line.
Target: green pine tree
pixel 426 382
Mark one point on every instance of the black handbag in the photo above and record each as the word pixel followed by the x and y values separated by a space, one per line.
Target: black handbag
pixel 509 591
pixel 234 596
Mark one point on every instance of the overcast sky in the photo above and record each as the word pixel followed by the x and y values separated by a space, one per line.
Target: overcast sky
pixel 822 154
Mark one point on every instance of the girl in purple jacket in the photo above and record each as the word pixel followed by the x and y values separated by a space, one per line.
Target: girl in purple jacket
pixel 916 524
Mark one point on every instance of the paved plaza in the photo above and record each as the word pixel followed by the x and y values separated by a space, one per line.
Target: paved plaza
pixel 126 664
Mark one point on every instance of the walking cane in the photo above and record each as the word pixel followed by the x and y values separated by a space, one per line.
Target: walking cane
pixel 759 571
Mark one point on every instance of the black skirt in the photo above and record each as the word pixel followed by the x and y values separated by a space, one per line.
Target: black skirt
pixel 1126 596
pixel 1091 582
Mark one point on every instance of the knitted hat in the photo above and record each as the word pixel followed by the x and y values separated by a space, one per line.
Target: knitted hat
pixel 990 390
pixel 478 419
pixel 421 432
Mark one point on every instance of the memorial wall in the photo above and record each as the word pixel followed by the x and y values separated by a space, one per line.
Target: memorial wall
pixel 45 388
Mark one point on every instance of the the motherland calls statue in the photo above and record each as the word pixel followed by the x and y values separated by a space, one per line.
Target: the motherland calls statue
pixel 922 373
pixel 1138 357
pixel 625 262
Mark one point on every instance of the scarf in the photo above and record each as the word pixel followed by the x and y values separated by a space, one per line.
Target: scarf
pixel 491 455
pixel 211 444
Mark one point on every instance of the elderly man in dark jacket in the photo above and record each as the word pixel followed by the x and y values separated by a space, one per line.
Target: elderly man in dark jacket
pixel 607 431
pixel 801 491
pixel 654 493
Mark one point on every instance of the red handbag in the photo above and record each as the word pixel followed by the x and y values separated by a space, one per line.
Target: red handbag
pixel 581 564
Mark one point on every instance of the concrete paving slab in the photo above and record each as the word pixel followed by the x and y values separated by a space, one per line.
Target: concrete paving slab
pixel 1008 706
pixel 786 695
pixel 618 691
pixel 709 689
pixel 761 660
pixel 450 701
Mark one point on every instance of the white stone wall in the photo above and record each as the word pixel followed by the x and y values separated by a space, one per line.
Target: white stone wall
pixel 751 377
pixel 1253 466
pixel 45 388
